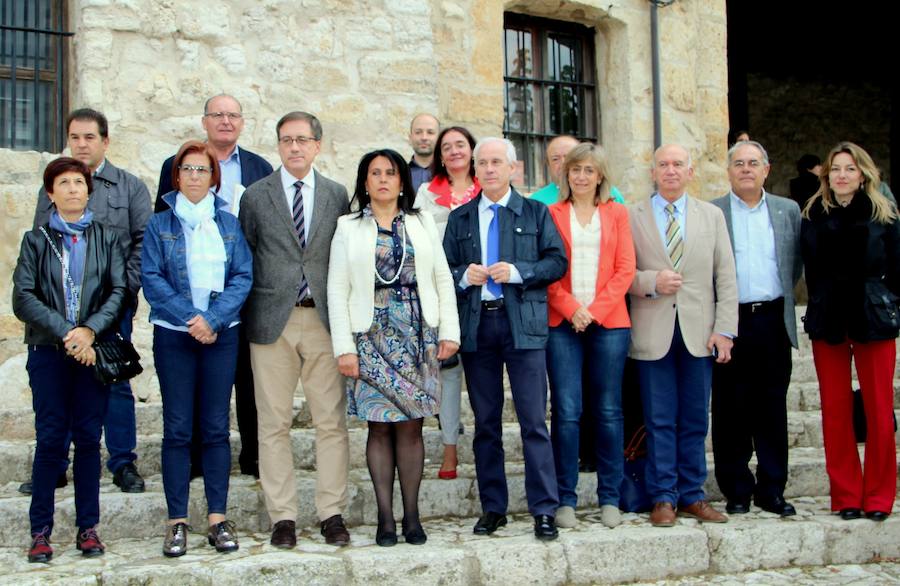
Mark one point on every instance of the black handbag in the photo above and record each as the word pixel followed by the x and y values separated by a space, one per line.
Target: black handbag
pixel 633 497
pixel 860 429
pixel 117 360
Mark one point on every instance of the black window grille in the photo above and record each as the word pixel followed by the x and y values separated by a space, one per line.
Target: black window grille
pixel 32 74
pixel 549 88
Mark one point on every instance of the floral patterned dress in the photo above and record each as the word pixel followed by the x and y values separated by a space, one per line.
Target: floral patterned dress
pixel 399 373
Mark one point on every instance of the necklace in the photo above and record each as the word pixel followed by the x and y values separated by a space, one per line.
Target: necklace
pixel 399 267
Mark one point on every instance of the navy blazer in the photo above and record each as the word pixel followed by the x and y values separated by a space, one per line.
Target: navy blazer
pixel 529 240
pixel 253 168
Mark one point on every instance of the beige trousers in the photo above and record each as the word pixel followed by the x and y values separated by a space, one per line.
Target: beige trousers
pixel 303 351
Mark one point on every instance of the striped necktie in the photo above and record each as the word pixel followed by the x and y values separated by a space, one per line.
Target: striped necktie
pixel 674 241
pixel 300 227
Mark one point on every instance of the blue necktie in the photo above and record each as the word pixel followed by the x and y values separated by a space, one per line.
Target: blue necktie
pixel 493 249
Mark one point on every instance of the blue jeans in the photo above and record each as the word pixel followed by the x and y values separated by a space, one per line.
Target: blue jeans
pixel 675 393
pixel 68 402
pixel 191 373
pixel 598 353
pixel 119 425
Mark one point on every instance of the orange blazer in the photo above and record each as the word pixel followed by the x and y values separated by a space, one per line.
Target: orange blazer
pixel 614 275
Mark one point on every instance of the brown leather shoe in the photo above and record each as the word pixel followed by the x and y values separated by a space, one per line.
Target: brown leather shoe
pixel 662 515
pixel 334 531
pixel 284 535
pixel 703 512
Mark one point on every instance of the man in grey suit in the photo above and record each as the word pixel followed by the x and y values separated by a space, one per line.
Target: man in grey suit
pixel 289 219
pixel 749 393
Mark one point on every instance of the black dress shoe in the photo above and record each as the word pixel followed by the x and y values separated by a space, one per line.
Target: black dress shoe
pixel 128 479
pixel 545 528
pixel 284 535
pixel 850 514
pixel 488 523
pixel 776 505
pixel 737 507
pixel 877 515
pixel 61 482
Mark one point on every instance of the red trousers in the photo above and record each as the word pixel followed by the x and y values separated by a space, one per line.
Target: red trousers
pixel 874 489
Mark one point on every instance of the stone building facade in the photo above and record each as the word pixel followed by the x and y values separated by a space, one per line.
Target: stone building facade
pixel 365 67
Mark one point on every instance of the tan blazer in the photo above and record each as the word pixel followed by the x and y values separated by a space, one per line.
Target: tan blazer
pixel 707 301
pixel 351 279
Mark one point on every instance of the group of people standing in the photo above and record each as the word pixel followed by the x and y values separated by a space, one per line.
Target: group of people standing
pixel 260 279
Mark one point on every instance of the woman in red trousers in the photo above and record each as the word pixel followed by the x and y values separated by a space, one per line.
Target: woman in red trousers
pixel 850 241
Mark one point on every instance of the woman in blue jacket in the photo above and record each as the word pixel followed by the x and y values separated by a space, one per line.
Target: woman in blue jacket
pixel 196 270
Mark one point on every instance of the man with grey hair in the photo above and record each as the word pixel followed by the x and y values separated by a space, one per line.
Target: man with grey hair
pixel 223 122
pixel 503 251
pixel 749 411
pixel 683 316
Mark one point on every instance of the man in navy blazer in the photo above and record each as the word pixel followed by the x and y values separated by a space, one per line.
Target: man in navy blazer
pixel 503 251
pixel 223 121
pixel 749 394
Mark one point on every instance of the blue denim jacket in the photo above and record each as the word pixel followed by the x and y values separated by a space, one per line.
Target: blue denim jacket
pixel 164 274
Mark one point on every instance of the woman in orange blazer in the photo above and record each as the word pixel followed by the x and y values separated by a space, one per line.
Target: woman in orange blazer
pixel 589 328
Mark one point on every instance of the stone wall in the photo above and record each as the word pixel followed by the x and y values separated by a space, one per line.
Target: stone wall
pixel 818 119
pixel 365 67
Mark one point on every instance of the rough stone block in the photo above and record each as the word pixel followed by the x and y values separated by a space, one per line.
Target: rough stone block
pixel 431 564
pixel 281 568
pixel 739 546
pixel 518 560
pixel 860 541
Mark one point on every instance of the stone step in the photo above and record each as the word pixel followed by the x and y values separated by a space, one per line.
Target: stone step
pixel 139 515
pixel 588 553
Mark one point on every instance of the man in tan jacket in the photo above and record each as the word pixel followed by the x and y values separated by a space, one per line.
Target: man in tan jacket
pixel 684 314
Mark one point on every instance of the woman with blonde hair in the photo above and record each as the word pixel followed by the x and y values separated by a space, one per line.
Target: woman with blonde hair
pixel 589 329
pixel 850 242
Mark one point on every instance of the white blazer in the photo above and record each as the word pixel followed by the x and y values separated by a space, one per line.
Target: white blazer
pixel 351 279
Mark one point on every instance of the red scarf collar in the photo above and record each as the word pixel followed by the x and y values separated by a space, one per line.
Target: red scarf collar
pixel 440 186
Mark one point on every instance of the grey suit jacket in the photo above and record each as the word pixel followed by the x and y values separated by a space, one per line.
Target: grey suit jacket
pixel 278 259
pixel 784 214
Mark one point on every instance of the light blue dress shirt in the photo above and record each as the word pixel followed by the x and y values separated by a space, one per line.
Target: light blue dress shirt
pixel 231 176
pixel 662 217
pixel 485 215
pixel 754 251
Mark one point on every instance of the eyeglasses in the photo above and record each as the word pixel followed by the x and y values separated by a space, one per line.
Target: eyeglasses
pixel 300 140
pixel 220 115
pixel 191 169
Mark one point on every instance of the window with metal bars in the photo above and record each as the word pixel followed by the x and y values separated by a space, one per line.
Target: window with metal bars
pixel 32 74
pixel 549 89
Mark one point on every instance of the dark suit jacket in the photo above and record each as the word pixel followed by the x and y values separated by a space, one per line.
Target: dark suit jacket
pixel 785 217
pixel 530 241
pixel 253 168
pixel 278 259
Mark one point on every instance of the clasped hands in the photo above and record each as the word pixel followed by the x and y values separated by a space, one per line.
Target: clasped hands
pixel 199 329
pixel 348 364
pixel 79 342
pixel 499 271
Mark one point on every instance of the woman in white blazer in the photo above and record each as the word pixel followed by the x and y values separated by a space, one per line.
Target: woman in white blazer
pixel 392 310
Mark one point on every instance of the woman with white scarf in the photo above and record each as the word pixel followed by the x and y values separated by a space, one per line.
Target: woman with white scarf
pixel 196 271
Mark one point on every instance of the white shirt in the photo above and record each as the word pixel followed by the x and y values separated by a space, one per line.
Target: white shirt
pixel 309 194
pixel 585 259
pixel 485 215
pixel 662 216
pixel 754 251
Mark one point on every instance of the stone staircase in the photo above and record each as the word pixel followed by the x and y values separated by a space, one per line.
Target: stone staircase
pixel 813 546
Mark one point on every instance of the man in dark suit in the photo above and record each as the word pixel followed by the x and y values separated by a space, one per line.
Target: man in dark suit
pixel 289 219
pixel 223 122
pixel 749 393
pixel 503 251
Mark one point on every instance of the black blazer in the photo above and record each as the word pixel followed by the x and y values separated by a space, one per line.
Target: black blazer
pixel 38 285
pixel 852 272
pixel 530 241
pixel 253 168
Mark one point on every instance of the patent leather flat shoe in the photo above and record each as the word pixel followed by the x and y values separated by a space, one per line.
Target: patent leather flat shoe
pixel 414 535
pixel 447 474
pixel 385 538
pixel 876 515
pixel 850 514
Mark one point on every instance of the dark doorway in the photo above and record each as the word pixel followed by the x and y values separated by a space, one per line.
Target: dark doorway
pixel 804 75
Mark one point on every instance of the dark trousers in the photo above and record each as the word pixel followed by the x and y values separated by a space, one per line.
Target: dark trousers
pixel 749 410
pixel 67 399
pixel 245 410
pixel 195 376
pixel 527 371
pixel 675 396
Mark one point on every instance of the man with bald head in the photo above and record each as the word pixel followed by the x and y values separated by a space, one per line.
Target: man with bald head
pixel 557 149
pixel 684 316
pixel 223 121
pixel 749 410
pixel 423 131
pixel 503 251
